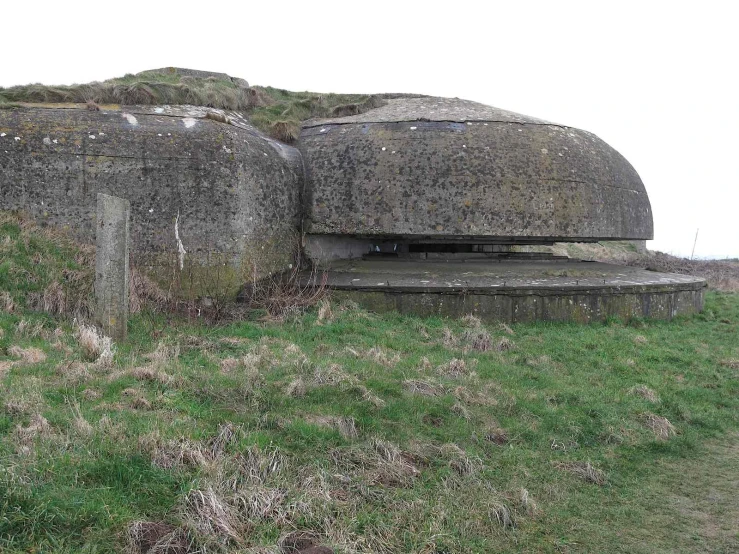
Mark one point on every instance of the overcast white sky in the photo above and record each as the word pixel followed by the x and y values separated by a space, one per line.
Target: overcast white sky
pixel 658 81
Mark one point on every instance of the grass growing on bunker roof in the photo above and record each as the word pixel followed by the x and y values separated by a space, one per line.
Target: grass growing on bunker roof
pixel 277 112
pixel 258 435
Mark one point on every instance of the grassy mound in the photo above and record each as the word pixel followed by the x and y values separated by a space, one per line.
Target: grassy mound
pixel 276 112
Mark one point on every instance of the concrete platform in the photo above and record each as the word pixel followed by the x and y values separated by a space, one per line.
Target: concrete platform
pixel 515 291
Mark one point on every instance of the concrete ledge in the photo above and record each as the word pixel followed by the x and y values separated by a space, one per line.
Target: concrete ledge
pixel 517 291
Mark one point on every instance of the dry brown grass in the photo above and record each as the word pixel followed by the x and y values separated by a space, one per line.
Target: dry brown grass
pixel 471 321
pixel 7 304
pixel 211 515
pixel 505 344
pixel 5 366
pixel 459 461
pixel 497 435
pixel 732 363
pixel 379 462
pixel 369 396
pixel 332 375
pixel 448 339
pixel 506 329
pixel 73 372
pixel 382 357
pixel 169 454
pixel 423 388
pixel 80 424
pixel 478 339
pixel 151 374
pixel 484 397
pixel 644 392
pixel 461 410
pixel 288 293
pixel 346 426
pixel 37 427
pixel 30 329
pixel 454 369
pixel 296 388
pixel 157 537
pixel 325 314
pixel 286 131
pixel 30 355
pixel 91 395
pixel 584 470
pixel 660 426
pixel 141 403
pixel 95 346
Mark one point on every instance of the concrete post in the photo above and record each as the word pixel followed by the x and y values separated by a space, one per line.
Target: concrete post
pixel 111 265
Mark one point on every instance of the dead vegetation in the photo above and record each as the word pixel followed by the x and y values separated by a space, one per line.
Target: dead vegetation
pixel 423 388
pixel 455 369
pixel 659 425
pixel 484 396
pixel 644 392
pixel 497 435
pixel 38 427
pixel 476 338
pixel 346 426
pixel 288 293
pixel 158 537
pixel 95 346
pixel 379 463
pixel 584 470
pixel 30 355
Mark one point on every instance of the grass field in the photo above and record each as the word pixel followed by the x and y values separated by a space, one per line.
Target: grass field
pixel 378 433
pixel 357 431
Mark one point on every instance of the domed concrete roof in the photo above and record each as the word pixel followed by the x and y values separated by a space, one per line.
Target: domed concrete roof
pixel 429 167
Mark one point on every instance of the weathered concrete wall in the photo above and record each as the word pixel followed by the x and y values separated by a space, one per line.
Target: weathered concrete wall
pixel 512 307
pixel 235 190
pixel 434 167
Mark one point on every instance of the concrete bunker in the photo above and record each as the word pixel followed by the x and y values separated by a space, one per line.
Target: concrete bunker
pixel 416 204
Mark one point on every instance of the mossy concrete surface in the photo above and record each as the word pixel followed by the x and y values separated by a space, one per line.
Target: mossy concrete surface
pixel 512 291
pixel 444 168
pixel 198 179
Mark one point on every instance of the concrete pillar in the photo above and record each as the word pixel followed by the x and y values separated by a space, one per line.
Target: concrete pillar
pixel 111 265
